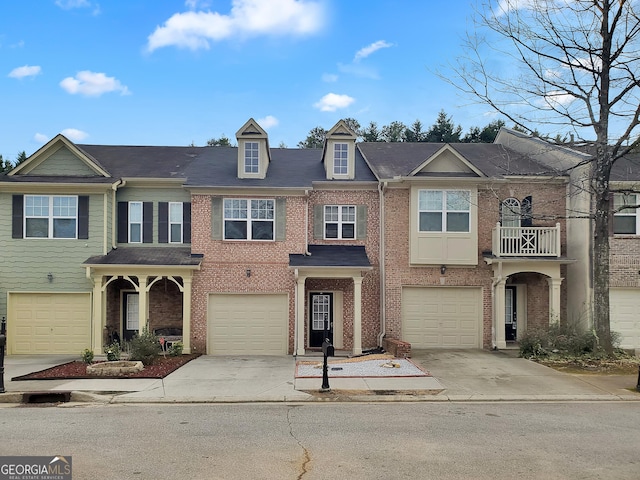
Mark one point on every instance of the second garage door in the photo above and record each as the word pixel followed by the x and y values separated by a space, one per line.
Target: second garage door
pixel 49 323
pixel 442 317
pixel 248 324
pixel 625 305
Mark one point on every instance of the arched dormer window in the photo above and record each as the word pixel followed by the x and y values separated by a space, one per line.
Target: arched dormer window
pixel 510 213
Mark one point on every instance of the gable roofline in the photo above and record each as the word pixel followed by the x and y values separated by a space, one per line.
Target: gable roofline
pixel 446 148
pixel 52 146
pixel 252 129
pixel 333 131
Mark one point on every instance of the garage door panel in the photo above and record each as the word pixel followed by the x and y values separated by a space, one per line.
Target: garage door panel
pixel 625 305
pixel 440 317
pixel 248 324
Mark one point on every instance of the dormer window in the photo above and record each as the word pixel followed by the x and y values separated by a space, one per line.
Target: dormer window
pixel 340 159
pixel 251 157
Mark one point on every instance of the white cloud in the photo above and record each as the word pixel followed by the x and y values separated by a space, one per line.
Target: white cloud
pixel 333 101
pixel 41 138
pixel 74 134
pixel 69 4
pixel 556 99
pixel 329 77
pixel 247 18
pixel 92 84
pixel 195 4
pixel 369 49
pixel 26 71
pixel 268 121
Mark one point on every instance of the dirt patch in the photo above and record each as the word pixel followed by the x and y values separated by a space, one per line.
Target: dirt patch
pixel 624 366
pixel 161 367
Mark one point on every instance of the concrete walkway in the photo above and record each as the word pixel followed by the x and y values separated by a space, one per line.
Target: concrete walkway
pixel 457 375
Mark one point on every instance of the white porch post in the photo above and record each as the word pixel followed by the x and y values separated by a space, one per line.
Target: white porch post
pixel 357 315
pixel 499 313
pixel 554 300
pixel 143 307
pixel 300 316
pixel 186 314
pixel 97 317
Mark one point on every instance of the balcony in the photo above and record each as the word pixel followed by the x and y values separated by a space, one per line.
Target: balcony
pixel 526 241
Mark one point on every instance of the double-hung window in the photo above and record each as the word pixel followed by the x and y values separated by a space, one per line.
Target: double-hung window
pixel 175 222
pixel 251 157
pixel 340 221
pixel 443 210
pixel 340 159
pixel 135 222
pixel 50 216
pixel 249 219
pixel 625 216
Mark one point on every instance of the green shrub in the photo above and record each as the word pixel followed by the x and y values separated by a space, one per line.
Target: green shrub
pixel 113 352
pixel 144 347
pixel 534 343
pixel 175 350
pixel 563 340
pixel 87 356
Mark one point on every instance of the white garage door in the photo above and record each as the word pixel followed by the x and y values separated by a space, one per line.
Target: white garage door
pixel 625 307
pixel 441 317
pixel 49 323
pixel 248 324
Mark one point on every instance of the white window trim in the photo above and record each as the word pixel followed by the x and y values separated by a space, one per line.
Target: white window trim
pixel 249 221
pixel 180 207
pixel 444 211
pixel 50 217
pixel 340 147
pixel 249 167
pixel 130 223
pixel 340 222
pixel 630 212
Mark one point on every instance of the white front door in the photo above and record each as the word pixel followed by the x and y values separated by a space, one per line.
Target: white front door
pixel 130 314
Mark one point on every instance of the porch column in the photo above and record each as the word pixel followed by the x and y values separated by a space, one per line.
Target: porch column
pixel 97 319
pixel 499 313
pixel 554 300
pixel 186 314
pixel 357 315
pixel 300 316
pixel 142 303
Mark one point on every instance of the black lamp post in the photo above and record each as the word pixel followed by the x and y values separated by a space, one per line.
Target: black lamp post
pixel 3 343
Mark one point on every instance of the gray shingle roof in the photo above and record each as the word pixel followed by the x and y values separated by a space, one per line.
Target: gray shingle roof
pixel 172 256
pixel 332 256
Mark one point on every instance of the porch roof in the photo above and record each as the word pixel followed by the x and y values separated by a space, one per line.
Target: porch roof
pixel 332 256
pixel 157 256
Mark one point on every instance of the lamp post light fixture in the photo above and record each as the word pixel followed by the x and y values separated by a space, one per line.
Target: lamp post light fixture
pixel 50 277
pixel 3 343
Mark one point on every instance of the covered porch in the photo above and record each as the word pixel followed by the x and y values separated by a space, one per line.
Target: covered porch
pixel 136 288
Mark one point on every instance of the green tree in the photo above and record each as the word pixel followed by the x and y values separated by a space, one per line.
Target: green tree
pixel 223 141
pixel 22 156
pixel 414 133
pixel 394 132
pixel 444 130
pixel 5 165
pixel 315 138
pixel 486 135
pixel 353 125
pixel 576 68
pixel 371 133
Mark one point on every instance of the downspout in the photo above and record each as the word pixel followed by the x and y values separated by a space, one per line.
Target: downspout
pixel 114 211
pixel 295 315
pixel 306 222
pixel 381 264
pixel 494 320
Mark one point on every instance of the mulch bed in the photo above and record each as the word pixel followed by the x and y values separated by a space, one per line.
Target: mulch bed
pixel 160 368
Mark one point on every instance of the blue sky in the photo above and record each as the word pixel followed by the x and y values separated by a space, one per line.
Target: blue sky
pixel 173 72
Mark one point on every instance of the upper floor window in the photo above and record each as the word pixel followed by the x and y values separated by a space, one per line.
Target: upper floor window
pixel 175 222
pixel 135 222
pixel 443 210
pixel 50 216
pixel 340 159
pixel 510 212
pixel 340 221
pixel 249 219
pixel 625 217
pixel 251 157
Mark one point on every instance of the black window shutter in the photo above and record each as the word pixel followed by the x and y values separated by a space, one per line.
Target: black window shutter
pixel 500 211
pixel 123 222
pixel 186 222
pixel 163 222
pixel 147 222
pixel 83 216
pixel 16 216
pixel 526 212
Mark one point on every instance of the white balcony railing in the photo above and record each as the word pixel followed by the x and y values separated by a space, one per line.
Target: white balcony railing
pixel 526 241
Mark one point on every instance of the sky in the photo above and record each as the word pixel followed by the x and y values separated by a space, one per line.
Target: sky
pixel 176 72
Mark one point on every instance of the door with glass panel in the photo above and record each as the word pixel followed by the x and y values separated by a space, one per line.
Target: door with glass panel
pixel 320 318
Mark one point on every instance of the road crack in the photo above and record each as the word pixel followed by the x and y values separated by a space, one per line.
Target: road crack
pixel 306 457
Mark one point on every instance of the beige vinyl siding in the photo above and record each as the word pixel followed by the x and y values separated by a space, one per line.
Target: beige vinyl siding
pixel 153 195
pixel 62 163
pixel 25 263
